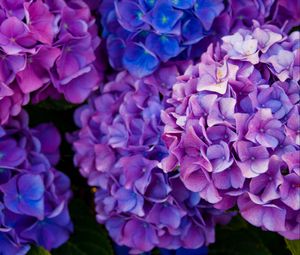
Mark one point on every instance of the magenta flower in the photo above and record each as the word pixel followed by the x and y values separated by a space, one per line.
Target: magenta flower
pixel 36 72
pixel 47 49
pixel 15 37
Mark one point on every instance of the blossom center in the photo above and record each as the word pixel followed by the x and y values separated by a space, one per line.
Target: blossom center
pixel 220 74
pixel 164 19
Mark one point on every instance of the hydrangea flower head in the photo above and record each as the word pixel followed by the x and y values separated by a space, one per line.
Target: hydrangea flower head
pixel 47 48
pixel 143 34
pixel 119 149
pixel 231 127
pixel 33 194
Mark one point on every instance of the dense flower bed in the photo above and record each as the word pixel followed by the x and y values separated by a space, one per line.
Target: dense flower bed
pixel 189 115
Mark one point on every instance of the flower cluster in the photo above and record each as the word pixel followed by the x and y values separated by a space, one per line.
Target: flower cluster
pixel 118 148
pixel 141 33
pixel 233 127
pixel 33 194
pixel 46 47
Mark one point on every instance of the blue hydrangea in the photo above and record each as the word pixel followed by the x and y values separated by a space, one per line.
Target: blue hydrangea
pixel 141 34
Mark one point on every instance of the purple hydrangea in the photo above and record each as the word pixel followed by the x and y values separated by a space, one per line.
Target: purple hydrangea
pixel 46 48
pixel 232 128
pixel 33 194
pixel 119 149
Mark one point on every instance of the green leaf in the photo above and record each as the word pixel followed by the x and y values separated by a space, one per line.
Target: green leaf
pixel 56 105
pixel 239 242
pixel 89 238
pixel 241 238
pixel 293 246
pixel 38 251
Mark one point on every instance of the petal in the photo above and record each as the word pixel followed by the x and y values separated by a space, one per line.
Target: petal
pixel 207 11
pixel 259 166
pixel 165 47
pixel 31 187
pixel 183 4
pixel 139 61
pixel 163 17
pixel 267 140
pixel 129 15
pixel 192 31
pixel 12 27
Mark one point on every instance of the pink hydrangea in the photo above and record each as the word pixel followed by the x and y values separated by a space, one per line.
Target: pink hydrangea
pixel 46 47
pixel 232 128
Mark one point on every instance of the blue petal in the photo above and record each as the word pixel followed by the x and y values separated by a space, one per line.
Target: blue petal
pixel 139 61
pixel 207 11
pixel 8 247
pixel 147 4
pixel 31 187
pixel 192 31
pixel 164 46
pixel 127 199
pixel 163 17
pixel 129 14
pixel 115 49
pixel 183 4
pixel 275 105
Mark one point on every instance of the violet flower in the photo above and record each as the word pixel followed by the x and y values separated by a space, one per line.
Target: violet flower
pixel 231 128
pixel 119 150
pixel 34 195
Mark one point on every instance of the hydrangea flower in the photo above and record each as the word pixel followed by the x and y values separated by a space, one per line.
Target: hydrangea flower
pixel 33 194
pixel 119 149
pixel 142 34
pixel 47 48
pixel 231 127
